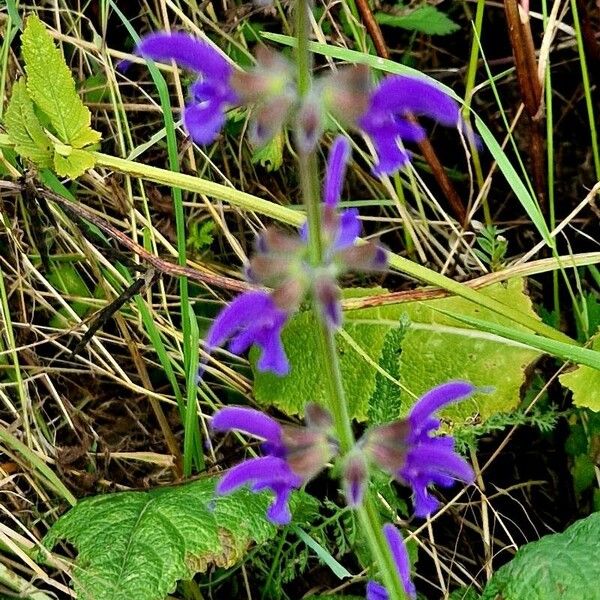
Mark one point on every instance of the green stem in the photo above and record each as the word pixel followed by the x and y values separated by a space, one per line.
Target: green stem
pixel 587 89
pixel 308 169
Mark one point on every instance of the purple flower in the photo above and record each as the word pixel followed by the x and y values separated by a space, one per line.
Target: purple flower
pixel 252 318
pixel 211 94
pixel 407 451
pixel 375 591
pixel 293 454
pixel 387 118
pixel 269 87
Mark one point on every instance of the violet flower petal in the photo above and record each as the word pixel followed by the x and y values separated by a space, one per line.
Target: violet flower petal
pixel 400 555
pixel 247 420
pixel 348 229
pixel 375 591
pixel 263 471
pixel 335 171
pixel 252 317
pixel 437 398
pixel 398 94
pixel 429 460
pixel 203 123
pixel 186 50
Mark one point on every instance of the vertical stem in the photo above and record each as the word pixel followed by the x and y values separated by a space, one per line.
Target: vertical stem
pixel 309 183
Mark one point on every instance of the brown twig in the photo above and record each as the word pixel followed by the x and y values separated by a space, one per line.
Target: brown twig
pixel 161 265
pixel 519 31
pixel 429 154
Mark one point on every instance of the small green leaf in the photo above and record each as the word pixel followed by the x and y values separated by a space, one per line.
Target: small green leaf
pixel 584 382
pixel 562 565
pixel 270 155
pixel 52 88
pixel 24 128
pixel 75 164
pixel 139 544
pixel 425 19
pixel 385 404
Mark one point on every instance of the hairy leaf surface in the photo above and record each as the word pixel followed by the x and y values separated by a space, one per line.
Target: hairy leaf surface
pixel 562 565
pixel 139 544
pixel 435 349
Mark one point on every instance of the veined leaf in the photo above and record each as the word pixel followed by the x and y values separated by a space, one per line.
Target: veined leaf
pixel 139 544
pixel 584 382
pixel 425 19
pixel 52 88
pixel 562 565
pixel 435 349
pixel 24 128
pixel 74 164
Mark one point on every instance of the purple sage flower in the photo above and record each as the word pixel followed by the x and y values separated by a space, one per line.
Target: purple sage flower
pixel 211 95
pixel 268 87
pixel 387 118
pixel 252 318
pixel 407 450
pixel 293 454
pixel 376 591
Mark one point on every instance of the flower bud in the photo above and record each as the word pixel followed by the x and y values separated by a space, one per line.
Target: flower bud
pixel 355 477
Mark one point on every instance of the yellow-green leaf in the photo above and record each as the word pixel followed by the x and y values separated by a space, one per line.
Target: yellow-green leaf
pixel 75 164
pixel 24 128
pixel 52 88
pixel 584 382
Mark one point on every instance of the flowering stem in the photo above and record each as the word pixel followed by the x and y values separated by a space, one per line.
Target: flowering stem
pixel 309 178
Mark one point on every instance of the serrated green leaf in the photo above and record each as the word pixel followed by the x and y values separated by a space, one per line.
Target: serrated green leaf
pixel 385 404
pixel 270 155
pixel 584 382
pixel 139 544
pixel 52 88
pixel 435 349
pixel 24 128
pixel 563 565
pixel 425 19
pixel 75 164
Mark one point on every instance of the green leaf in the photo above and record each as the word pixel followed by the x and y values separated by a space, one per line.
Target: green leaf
pixel 270 155
pixel 563 565
pixel 139 544
pixel 425 19
pixel 435 349
pixel 75 164
pixel 305 384
pixel 584 382
pixel 52 88
pixel 385 404
pixel 438 348
pixel 24 128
